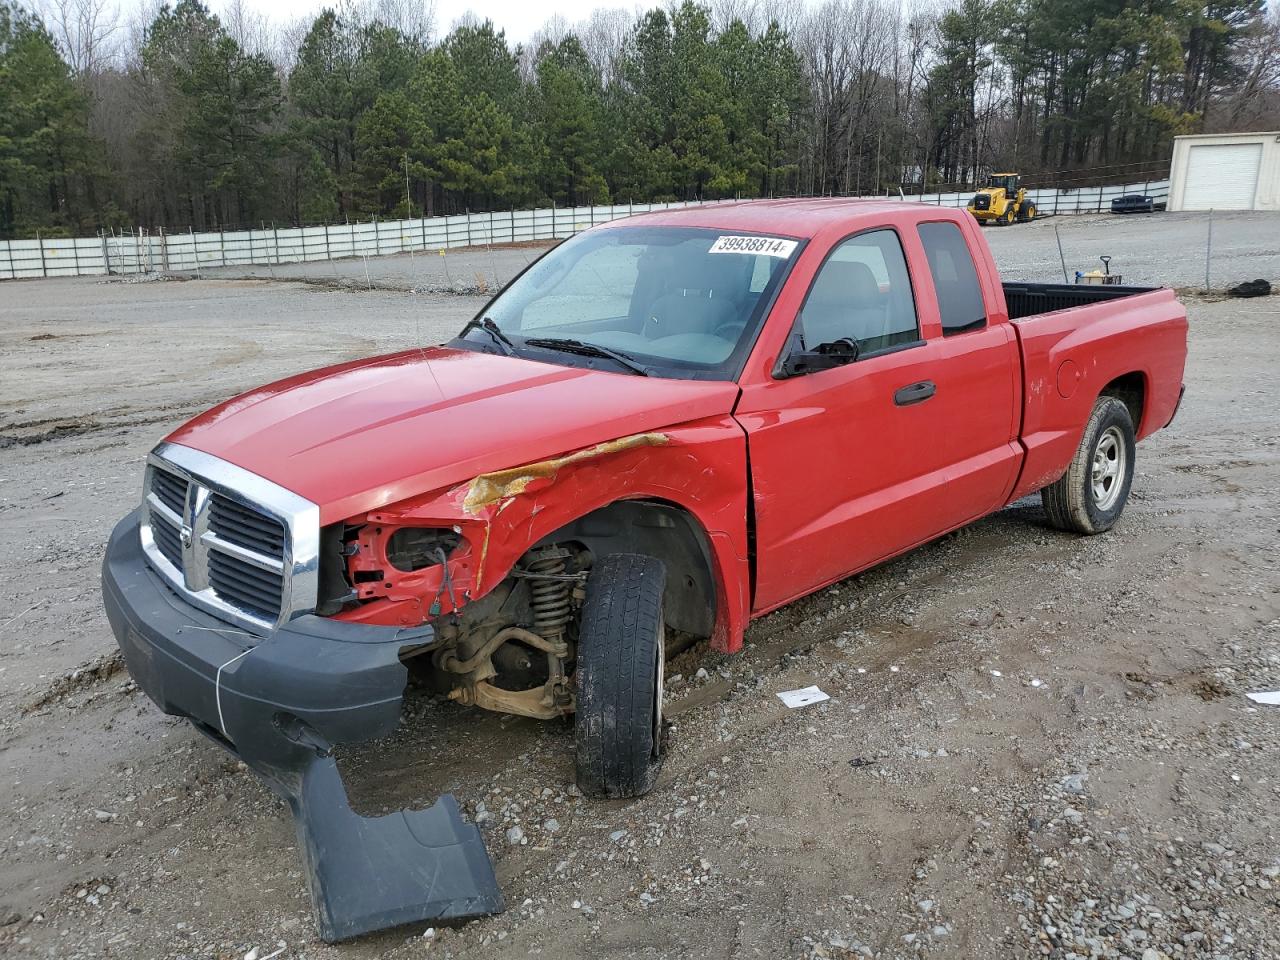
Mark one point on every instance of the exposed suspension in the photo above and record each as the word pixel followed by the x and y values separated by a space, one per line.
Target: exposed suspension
pixel 555 586
pixel 550 590
pixel 551 602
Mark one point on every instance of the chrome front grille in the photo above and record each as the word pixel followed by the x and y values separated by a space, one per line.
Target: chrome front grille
pixel 171 490
pixel 168 540
pixel 245 585
pixel 245 528
pixel 231 542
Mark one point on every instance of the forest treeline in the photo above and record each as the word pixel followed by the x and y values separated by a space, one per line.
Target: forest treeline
pixel 184 119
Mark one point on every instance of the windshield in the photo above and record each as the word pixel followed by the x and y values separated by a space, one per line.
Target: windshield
pixel 678 301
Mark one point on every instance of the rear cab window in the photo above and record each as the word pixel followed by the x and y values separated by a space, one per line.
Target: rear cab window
pixel 955 278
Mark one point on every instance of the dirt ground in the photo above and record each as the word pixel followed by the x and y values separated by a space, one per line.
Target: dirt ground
pixel 1036 744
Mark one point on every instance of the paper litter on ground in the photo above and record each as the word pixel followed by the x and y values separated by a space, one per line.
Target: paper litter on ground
pixel 1271 697
pixel 802 697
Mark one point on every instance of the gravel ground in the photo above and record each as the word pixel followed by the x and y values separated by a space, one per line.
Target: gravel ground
pixel 1036 744
pixel 1244 247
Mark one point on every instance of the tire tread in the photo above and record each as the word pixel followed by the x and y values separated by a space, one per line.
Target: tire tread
pixel 620 628
pixel 1065 501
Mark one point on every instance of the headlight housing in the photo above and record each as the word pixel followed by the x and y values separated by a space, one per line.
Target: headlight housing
pixel 414 548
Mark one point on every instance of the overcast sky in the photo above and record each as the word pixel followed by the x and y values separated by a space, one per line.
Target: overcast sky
pixel 518 19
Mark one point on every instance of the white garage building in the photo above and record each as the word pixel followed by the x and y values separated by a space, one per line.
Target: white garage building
pixel 1226 171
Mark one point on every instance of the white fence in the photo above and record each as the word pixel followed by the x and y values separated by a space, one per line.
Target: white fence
pixel 143 252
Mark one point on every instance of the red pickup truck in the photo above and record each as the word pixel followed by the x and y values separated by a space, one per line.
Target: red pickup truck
pixel 665 427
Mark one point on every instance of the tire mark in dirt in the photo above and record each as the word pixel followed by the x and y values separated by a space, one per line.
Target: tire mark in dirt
pixel 58 428
pixel 28 433
pixel 96 671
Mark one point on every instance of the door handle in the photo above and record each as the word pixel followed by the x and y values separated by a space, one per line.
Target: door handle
pixel 915 393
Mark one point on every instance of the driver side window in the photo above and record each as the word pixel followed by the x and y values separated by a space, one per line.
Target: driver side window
pixel 862 293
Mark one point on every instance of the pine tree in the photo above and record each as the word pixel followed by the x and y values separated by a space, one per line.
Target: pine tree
pixel 46 152
pixel 569 119
pixel 213 107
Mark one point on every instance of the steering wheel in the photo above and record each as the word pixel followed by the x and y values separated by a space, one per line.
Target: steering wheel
pixel 730 330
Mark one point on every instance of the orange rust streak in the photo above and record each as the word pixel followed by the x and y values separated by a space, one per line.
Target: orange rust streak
pixel 490 488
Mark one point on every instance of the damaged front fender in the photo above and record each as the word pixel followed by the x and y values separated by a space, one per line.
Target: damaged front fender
pixel 699 467
pixel 489 489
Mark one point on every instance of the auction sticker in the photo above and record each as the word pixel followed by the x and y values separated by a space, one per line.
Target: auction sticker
pixel 759 246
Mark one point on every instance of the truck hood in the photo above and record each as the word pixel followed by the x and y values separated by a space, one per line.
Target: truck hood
pixel 369 433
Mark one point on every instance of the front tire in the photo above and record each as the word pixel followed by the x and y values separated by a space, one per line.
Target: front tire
pixel 1092 494
pixel 618 731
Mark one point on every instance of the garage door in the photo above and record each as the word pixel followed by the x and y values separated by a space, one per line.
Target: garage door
pixel 1222 176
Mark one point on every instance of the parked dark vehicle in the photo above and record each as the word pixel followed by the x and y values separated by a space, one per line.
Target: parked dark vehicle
pixel 1133 203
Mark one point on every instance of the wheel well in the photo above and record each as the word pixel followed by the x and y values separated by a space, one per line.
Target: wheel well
pixel 662 530
pixel 1130 389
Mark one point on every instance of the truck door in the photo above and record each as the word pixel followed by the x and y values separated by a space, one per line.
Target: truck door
pixel 978 373
pixel 851 465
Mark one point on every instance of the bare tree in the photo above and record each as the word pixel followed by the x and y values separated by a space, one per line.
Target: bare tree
pixel 847 47
pixel 289 37
pixel 416 19
pixel 87 31
pixel 253 31
pixel 135 31
pixel 1255 101
pixel 604 38
pixel 725 12
pixel 553 30
pixel 468 19
pixel 546 38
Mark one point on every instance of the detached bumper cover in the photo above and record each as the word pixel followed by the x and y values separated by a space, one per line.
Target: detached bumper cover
pixel 280 704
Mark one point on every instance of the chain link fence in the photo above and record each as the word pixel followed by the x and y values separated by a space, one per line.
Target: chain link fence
pixel 142 251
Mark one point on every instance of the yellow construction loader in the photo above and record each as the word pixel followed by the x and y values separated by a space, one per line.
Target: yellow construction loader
pixel 1002 201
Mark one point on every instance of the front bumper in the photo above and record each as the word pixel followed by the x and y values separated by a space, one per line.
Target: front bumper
pixel 280 703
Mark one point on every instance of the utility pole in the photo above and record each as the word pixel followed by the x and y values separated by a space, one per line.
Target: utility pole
pixel 408 204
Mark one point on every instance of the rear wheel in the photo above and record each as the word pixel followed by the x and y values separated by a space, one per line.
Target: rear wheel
pixel 1092 494
pixel 618 731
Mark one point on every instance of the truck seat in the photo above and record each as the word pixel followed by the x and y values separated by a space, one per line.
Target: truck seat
pixel 698 298
pixel 845 302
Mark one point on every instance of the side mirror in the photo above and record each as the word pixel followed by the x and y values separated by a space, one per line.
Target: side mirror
pixel 825 356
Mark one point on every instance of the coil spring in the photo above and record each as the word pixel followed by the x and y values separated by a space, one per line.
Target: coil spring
pixel 549 597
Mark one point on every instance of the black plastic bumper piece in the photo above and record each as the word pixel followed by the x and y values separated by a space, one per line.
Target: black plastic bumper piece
pixel 1182 392
pixel 280 703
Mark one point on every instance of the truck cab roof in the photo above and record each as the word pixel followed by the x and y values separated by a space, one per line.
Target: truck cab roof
pixel 798 218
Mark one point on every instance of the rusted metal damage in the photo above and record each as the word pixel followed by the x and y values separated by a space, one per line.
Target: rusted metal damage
pixel 490 488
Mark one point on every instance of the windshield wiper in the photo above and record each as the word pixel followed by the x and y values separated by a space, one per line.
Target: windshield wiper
pixel 588 350
pixel 495 334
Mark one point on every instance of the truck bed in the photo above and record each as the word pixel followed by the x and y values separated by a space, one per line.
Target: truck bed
pixel 1131 338
pixel 1029 299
